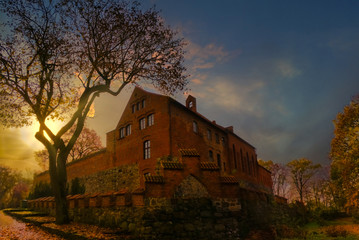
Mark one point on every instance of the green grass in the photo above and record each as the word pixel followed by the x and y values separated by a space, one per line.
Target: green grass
pixel 315 231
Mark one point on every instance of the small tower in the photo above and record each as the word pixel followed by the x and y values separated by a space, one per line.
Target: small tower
pixel 191 103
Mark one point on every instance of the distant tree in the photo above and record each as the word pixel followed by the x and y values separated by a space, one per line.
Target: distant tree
pixel 57 56
pixel 87 143
pixel 302 170
pixel 19 192
pixel 279 173
pixel 345 154
pixel 8 180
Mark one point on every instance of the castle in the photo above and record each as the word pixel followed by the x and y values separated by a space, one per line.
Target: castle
pixel 168 150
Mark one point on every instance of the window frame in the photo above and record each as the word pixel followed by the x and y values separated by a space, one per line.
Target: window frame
pixel 147 149
pixel 209 135
pixel 128 129
pixel 150 119
pixel 195 127
pixel 122 132
pixel 142 123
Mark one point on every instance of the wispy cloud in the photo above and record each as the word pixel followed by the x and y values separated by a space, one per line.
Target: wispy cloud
pixel 205 57
pixel 286 68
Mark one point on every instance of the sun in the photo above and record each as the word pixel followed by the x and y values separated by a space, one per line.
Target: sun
pixel 28 133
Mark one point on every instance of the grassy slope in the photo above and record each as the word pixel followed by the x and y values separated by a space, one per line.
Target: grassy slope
pixel 316 232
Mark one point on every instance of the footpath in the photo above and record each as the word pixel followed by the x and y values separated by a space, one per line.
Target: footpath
pixel 33 223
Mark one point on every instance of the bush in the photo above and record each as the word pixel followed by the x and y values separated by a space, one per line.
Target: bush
pixel 336 231
pixel 42 189
pixel 284 231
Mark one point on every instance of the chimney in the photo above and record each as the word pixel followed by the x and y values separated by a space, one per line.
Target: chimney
pixel 191 103
pixel 230 128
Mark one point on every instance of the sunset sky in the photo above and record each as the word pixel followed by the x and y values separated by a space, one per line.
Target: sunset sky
pixel 278 71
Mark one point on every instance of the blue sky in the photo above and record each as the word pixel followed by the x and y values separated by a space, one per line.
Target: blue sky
pixel 278 71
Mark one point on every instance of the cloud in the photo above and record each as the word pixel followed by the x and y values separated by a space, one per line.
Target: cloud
pixel 16 153
pixel 286 69
pixel 205 57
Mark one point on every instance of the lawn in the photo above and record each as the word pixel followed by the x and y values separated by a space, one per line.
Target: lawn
pixel 339 229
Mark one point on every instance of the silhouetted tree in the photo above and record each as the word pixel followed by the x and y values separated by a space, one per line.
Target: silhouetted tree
pixel 88 142
pixel 56 57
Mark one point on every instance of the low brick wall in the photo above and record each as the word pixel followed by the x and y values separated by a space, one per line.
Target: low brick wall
pixel 154 218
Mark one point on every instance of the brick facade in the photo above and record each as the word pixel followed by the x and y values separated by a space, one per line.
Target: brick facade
pixel 174 147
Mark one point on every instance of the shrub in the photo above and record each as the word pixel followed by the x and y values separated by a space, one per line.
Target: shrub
pixel 336 231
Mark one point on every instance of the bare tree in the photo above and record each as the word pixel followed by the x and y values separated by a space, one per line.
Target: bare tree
pixel 279 173
pixel 302 170
pixel 60 55
pixel 88 142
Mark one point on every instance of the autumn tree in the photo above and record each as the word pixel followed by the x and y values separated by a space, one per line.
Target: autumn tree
pixel 302 170
pixel 279 173
pixel 57 57
pixel 88 142
pixel 8 180
pixel 345 154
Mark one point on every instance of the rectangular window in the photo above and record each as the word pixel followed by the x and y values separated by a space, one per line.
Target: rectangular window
pixel 146 149
pixel 209 135
pixel 219 161
pixel 195 127
pixel 138 106
pixel 142 123
pixel 150 120
pixel 128 130
pixel 210 156
pixel 122 132
pixel 217 138
pixel 133 108
pixel 143 103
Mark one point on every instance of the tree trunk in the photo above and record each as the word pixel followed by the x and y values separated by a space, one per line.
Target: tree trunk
pixel 58 182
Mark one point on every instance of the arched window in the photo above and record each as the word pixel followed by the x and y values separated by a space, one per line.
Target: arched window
pixel 249 165
pixel 146 149
pixel 234 157
pixel 242 162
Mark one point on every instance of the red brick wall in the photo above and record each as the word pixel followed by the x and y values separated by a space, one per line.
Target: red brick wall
pixel 173 130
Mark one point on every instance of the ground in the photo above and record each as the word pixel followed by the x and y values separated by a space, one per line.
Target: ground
pixel 13 229
pixel 35 226
pixel 339 229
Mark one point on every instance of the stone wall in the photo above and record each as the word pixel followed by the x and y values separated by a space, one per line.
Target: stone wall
pixel 114 179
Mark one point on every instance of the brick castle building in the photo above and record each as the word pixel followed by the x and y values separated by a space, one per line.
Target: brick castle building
pixel 167 150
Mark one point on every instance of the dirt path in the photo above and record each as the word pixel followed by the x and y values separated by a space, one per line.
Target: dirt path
pixel 14 230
